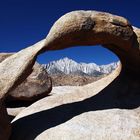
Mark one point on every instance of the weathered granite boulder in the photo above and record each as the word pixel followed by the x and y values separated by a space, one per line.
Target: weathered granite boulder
pixel 13 70
pixel 37 85
pixel 3 56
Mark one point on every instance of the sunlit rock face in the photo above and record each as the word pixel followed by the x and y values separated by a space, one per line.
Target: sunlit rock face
pixel 87 112
pixel 36 86
pixel 75 29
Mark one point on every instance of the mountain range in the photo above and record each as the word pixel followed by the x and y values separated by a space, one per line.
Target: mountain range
pixel 70 67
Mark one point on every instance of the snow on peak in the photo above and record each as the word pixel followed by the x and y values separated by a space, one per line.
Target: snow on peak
pixel 69 66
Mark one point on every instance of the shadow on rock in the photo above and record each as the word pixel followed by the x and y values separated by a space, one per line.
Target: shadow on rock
pixel 111 97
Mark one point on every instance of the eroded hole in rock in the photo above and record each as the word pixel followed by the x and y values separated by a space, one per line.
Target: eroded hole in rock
pixel 78 66
pixel 75 66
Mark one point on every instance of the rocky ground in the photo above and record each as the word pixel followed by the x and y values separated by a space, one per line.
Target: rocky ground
pixel 73 80
pixel 78 112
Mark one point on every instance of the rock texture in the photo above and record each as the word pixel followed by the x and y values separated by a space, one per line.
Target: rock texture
pixel 88 112
pixel 13 112
pixel 73 80
pixel 82 28
pixel 37 85
pixel 21 64
pixel 3 56
pixel 98 125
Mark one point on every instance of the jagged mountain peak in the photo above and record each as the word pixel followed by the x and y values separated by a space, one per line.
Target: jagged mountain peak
pixel 69 66
pixel 65 60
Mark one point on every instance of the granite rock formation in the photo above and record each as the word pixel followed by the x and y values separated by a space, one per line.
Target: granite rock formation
pixel 36 86
pixel 87 112
pixel 82 28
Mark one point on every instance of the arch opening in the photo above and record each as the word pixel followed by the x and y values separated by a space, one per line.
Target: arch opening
pixel 78 66
pixel 81 28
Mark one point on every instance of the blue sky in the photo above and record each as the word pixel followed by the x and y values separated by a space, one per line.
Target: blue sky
pixel 24 22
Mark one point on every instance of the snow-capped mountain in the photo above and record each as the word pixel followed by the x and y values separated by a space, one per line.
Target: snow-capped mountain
pixel 69 66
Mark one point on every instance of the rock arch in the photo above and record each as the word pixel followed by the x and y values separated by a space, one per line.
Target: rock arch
pixel 73 29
